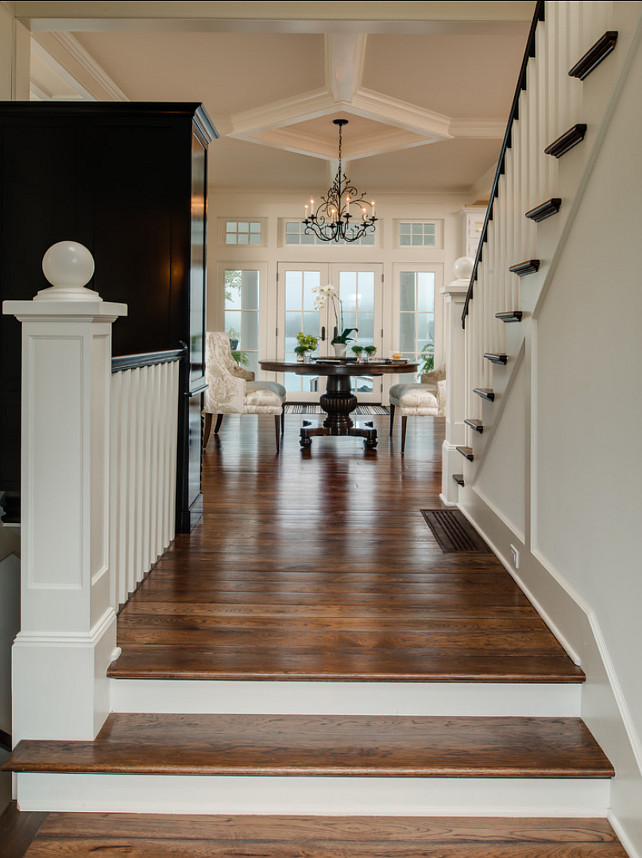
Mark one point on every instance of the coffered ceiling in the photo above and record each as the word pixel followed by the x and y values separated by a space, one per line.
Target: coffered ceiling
pixel 426 87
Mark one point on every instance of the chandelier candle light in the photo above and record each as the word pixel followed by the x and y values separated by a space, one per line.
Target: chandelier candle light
pixel 344 213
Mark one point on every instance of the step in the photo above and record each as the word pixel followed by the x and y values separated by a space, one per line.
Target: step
pixel 530 266
pixel 375 765
pixel 496 358
pixel 477 425
pixel 459 479
pixel 595 55
pixel 544 210
pixel 565 142
pixel 510 316
pixel 556 694
pixel 467 452
pixel 325 837
pixel 485 393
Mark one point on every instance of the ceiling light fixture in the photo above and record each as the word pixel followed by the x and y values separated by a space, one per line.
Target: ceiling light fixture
pixel 344 213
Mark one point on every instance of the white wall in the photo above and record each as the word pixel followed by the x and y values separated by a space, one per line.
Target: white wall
pixel 245 205
pixel 574 410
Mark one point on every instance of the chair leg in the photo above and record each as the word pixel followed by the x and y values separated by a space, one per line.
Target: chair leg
pixel 277 430
pixel 282 419
pixel 219 420
pixel 392 418
pixel 207 428
pixel 404 421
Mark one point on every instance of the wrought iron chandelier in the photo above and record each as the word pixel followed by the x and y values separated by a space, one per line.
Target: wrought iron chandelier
pixel 344 214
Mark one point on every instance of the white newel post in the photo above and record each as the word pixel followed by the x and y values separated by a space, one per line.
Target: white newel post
pixel 455 296
pixel 68 627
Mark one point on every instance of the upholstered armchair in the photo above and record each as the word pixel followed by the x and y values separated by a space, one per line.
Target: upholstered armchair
pixel 232 389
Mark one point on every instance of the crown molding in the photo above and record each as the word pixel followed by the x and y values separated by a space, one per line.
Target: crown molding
pixel 79 66
pixel 481 129
pixel 410 117
pixel 289 111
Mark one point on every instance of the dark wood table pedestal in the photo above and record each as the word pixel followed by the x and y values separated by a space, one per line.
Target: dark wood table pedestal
pixel 339 401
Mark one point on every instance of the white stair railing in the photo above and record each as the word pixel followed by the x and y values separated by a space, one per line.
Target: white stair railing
pixel 144 417
pixel 98 495
pixel 547 104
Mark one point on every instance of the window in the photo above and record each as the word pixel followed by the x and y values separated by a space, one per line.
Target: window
pixel 411 233
pixel 242 315
pixel 248 232
pixel 294 234
pixel 417 316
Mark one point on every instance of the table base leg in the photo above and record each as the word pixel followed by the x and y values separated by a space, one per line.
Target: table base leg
pixel 365 431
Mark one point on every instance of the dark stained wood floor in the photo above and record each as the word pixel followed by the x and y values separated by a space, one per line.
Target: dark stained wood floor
pixel 149 836
pixel 318 565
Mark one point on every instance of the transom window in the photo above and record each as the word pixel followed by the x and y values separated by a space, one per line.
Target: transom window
pixel 294 234
pixel 417 235
pixel 243 232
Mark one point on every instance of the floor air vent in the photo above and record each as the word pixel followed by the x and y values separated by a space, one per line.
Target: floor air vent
pixel 453 531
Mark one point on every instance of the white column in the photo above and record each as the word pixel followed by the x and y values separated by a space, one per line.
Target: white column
pixel 68 626
pixel 15 52
pixel 455 296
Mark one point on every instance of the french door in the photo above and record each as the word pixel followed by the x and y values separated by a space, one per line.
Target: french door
pixel 359 288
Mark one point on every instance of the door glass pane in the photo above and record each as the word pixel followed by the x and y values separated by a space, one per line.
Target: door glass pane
pixel 300 316
pixel 242 314
pixel 417 316
pixel 250 290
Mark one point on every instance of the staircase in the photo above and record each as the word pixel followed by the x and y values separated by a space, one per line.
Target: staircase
pixel 431 739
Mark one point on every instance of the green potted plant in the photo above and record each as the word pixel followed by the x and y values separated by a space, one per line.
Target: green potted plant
pixel 427 356
pixel 305 343
pixel 357 351
pixel 340 341
pixel 370 351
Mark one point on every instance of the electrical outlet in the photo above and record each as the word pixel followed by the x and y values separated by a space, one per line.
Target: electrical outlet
pixel 514 553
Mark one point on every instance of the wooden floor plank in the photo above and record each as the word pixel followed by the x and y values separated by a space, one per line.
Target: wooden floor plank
pixel 321 566
pixel 347 663
pixel 323 837
pixel 326 745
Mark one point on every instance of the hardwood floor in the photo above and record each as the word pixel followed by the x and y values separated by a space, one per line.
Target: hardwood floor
pixel 318 565
pixel 150 836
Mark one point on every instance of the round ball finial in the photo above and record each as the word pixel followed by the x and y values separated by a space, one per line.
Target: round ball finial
pixel 463 267
pixel 68 266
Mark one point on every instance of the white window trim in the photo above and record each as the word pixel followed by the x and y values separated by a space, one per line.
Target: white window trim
pixel 341 248
pixel 439 234
pixel 222 231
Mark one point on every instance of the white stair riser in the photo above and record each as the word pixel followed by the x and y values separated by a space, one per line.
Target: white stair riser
pixel 346 698
pixel 313 795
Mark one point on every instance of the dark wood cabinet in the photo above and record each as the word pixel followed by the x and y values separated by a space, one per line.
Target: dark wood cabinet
pixel 128 180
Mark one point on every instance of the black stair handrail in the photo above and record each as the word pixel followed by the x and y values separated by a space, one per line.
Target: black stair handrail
pixel 529 52
pixel 123 362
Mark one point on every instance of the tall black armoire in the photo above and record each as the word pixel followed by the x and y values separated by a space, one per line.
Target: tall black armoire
pixel 129 181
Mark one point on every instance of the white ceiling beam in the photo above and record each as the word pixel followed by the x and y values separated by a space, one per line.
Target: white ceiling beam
pixel 345 55
pixel 481 129
pixel 65 53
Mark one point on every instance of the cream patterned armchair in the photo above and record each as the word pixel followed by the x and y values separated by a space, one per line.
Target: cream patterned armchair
pixel 232 389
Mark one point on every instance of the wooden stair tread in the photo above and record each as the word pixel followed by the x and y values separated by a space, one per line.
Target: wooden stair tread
pixel 467 452
pixel 477 425
pixel 325 745
pixel 155 835
pixel 485 393
pixel 346 664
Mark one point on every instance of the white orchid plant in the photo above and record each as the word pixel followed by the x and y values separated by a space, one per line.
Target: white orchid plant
pixel 329 293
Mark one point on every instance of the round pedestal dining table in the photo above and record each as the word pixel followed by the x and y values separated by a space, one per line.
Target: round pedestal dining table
pixel 339 401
